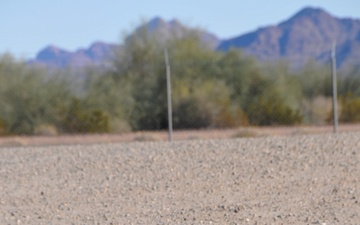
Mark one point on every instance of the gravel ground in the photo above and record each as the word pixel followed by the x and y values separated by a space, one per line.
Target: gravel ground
pixel 310 179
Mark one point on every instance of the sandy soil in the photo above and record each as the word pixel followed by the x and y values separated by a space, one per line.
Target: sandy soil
pixel 303 179
pixel 177 135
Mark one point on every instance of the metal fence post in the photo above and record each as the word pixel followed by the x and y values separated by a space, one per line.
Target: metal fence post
pixel 334 79
pixel 168 94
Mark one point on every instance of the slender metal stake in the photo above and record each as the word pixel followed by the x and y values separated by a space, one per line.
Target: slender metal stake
pixel 334 79
pixel 168 95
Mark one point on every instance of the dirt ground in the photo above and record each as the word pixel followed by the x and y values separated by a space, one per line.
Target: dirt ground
pixel 177 135
pixel 296 179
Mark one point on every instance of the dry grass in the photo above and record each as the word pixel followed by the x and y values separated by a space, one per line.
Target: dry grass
pixel 245 133
pixel 45 139
pixel 145 137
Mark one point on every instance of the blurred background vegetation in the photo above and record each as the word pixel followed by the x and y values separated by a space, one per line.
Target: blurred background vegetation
pixel 209 90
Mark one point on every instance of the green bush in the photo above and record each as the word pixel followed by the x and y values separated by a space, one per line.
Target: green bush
pixel 350 108
pixel 2 127
pixel 209 89
pixel 191 113
pixel 229 117
pixel 270 110
pixel 98 122
pixel 29 96
pixel 79 120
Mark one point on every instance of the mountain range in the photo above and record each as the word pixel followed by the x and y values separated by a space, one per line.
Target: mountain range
pixel 309 34
pixel 54 57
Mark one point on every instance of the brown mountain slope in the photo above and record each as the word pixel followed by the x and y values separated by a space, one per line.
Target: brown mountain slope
pixel 307 35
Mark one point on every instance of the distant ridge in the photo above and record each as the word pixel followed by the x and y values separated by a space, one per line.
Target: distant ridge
pixel 98 54
pixel 308 34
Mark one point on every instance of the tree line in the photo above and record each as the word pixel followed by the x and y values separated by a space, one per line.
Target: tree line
pixel 209 90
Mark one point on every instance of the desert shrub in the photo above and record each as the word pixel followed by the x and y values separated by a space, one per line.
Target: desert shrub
pixel 150 109
pixel 231 117
pixel 271 110
pixel 78 119
pixel 350 108
pixel 29 96
pixel 144 137
pixel 111 95
pixel 317 110
pixel 74 118
pixel 2 126
pixel 315 80
pixel 245 133
pixel 191 113
pixel 349 81
pixel 46 130
pixel 119 126
pixel 23 123
pixel 98 122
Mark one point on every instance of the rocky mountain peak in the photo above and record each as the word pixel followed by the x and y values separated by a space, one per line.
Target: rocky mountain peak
pixel 308 34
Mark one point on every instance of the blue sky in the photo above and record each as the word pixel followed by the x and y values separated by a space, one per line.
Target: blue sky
pixel 28 26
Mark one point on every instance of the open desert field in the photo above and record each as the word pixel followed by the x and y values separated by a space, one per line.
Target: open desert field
pixel 302 179
pixel 177 135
